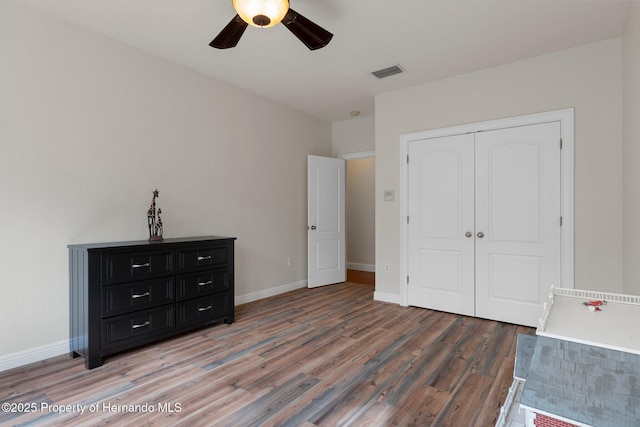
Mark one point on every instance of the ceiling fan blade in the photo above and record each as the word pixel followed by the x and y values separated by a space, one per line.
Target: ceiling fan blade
pixel 230 35
pixel 309 33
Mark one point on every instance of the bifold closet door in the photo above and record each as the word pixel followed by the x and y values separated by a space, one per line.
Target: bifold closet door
pixel 518 258
pixel 441 224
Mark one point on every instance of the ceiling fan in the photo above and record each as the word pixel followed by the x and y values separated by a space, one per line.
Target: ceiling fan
pixel 265 14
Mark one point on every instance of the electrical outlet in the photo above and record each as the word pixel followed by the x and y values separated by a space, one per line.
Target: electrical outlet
pixel 289 262
pixel 386 268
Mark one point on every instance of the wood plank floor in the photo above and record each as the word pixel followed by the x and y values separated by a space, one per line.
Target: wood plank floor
pixel 327 356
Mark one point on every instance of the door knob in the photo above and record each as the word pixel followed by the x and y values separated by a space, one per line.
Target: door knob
pixel 468 234
pixel 480 235
pixel 313 227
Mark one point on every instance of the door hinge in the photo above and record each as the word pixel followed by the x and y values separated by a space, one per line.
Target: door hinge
pixel 407 219
pixel 407 280
pixel 561 143
pixel 407 159
pixel 560 221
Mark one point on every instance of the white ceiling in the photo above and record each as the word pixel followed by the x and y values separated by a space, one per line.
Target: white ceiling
pixel 430 39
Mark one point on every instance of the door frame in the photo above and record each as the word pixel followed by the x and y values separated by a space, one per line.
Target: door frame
pixel 566 119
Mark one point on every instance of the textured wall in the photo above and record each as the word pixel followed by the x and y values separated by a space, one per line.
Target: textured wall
pixel 89 127
pixel 631 150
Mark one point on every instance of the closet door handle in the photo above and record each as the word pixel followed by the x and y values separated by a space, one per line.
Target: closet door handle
pixel 480 235
pixel 468 234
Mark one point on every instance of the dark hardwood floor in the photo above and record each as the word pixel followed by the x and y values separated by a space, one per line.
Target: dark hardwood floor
pixel 327 356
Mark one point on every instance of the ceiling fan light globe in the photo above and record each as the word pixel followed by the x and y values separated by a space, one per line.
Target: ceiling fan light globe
pixel 261 13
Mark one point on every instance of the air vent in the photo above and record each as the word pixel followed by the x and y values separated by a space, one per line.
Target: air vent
pixel 389 71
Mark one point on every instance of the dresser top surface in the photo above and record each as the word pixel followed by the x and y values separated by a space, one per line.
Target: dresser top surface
pixel 148 243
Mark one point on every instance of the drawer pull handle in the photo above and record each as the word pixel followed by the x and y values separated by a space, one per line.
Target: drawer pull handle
pixel 146 294
pixel 140 265
pixel 141 325
pixel 202 258
pixel 204 283
pixel 204 308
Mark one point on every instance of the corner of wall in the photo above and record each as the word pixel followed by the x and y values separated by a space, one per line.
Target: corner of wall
pixel 631 150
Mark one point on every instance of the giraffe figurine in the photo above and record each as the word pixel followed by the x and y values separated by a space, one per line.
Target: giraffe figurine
pixel 154 221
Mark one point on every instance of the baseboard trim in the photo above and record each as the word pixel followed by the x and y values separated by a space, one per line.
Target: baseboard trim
pixel 361 267
pixel 32 355
pixel 386 297
pixel 255 296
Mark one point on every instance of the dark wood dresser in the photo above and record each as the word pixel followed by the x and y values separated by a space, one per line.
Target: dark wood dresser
pixel 127 294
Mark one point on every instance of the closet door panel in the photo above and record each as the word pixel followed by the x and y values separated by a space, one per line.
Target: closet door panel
pixel 441 256
pixel 517 179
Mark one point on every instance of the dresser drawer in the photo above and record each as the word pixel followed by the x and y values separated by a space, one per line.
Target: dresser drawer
pixel 127 329
pixel 123 267
pixel 204 283
pixel 127 297
pixel 203 258
pixel 197 311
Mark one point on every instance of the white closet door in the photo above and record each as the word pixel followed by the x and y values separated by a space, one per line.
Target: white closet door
pixel 441 210
pixel 518 230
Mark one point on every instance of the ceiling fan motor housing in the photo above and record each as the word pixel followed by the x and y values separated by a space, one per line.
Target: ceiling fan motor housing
pixel 261 20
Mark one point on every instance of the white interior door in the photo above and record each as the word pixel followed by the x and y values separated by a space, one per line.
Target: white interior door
pixel 441 224
pixel 518 229
pixel 326 221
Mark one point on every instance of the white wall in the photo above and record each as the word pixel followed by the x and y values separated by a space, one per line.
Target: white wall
pixel 89 127
pixel 358 136
pixel 587 78
pixel 631 149
pixel 355 135
pixel 360 214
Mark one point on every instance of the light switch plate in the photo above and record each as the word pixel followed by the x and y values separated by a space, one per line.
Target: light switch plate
pixel 389 195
